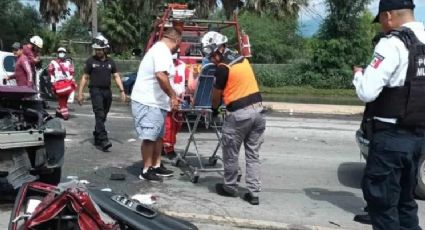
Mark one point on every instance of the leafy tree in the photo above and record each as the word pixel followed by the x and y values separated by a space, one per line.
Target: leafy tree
pixel 343 20
pixel 272 40
pixel 51 41
pixel 343 40
pixel 18 22
pixel 73 28
pixel 120 27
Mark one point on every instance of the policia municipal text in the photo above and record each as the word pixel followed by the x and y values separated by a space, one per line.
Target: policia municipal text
pixel 394 92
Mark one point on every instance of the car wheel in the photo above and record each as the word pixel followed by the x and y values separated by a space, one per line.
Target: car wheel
pixel 52 177
pixel 420 189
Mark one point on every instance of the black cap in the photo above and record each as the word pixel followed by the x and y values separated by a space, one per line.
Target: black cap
pixel 16 46
pixel 389 5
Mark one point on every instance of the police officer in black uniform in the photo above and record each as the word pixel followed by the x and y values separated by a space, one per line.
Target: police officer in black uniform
pixel 367 132
pixel 392 87
pixel 98 70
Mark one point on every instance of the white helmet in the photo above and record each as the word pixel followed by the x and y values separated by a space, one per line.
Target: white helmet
pixel 211 41
pixel 37 41
pixel 100 42
pixel 61 49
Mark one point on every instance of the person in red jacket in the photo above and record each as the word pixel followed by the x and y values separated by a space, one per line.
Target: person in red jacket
pixel 181 73
pixel 23 73
pixel 32 51
pixel 61 72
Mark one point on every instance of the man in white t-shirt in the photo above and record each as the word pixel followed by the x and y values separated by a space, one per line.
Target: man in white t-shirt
pixel 152 97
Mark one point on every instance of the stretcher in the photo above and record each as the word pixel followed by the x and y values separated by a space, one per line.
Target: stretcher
pixel 200 112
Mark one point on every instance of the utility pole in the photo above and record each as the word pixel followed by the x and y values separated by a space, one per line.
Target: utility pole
pixel 94 18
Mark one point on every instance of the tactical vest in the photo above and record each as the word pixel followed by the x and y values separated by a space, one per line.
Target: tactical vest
pixel 405 103
pixel 241 88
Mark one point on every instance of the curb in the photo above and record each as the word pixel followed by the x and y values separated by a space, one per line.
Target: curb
pixel 294 108
pixel 244 223
pixel 319 109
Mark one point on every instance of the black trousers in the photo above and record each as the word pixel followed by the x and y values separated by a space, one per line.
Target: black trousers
pixel 390 179
pixel 101 99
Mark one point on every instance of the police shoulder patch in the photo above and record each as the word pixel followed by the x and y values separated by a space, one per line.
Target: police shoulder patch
pixel 377 60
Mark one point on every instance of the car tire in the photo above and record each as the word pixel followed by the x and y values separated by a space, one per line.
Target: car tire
pixel 52 177
pixel 420 188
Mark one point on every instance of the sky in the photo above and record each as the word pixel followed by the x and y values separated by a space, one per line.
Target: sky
pixel 311 17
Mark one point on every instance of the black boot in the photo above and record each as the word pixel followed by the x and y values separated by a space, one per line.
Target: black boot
pixel 364 219
pixel 105 145
pixel 254 200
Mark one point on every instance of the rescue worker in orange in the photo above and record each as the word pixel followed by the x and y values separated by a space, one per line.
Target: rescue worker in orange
pixel 245 122
pixel 61 73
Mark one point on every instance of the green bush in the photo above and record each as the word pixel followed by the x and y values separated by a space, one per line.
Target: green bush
pixel 299 74
pixel 270 75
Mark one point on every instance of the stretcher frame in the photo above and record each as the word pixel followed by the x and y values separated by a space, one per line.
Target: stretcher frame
pixel 195 171
pixel 200 112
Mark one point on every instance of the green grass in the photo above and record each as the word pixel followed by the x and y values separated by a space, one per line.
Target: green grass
pixel 310 95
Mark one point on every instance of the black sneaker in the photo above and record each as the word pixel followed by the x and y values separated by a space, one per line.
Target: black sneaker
pixel 163 171
pixel 225 190
pixel 254 200
pixel 150 175
pixel 171 155
pixel 105 145
pixel 363 219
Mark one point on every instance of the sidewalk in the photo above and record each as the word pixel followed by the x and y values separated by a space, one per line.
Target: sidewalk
pixel 314 108
pixel 300 108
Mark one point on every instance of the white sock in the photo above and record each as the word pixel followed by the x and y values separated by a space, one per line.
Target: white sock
pixel 157 166
pixel 145 170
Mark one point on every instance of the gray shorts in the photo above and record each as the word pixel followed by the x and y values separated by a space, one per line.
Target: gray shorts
pixel 148 120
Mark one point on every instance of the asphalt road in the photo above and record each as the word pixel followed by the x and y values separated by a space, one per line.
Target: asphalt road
pixel 311 172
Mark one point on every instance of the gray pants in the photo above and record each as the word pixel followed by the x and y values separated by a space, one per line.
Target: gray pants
pixel 245 126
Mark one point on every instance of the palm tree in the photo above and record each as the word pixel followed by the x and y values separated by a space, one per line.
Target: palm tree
pixel 84 9
pixel 276 8
pixel 53 10
pixel 205 7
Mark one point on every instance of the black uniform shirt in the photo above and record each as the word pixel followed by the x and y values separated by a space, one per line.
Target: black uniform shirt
pixel 100 72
